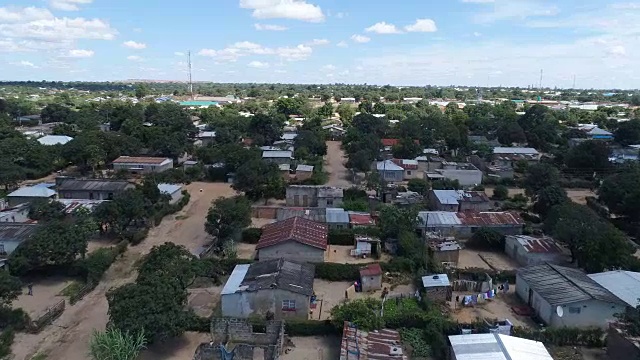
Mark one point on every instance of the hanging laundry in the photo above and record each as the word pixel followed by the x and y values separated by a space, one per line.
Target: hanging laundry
pixel 506 286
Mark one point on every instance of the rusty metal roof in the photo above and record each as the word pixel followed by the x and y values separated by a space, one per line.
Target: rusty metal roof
pixel 360 219
pixel 490 218
pixel 373 345
pixel 296 229
pixel 371 270
pixel 140 160
pixel 537 245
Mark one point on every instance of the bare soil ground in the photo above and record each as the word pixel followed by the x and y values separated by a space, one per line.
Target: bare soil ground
pixel 334 165
pixel 46 293
pixel 342 254
pixel 203 301
pixel 577 195
pixel 496 308
pixel 332 293
pixel 175 349
pixel 246 251
pixel 68 337
pixel 499 261
pixel 313 348
pixel 259 222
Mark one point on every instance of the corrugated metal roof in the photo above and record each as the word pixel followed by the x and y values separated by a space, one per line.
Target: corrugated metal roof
pixel 289 136
pixel 388 165
pixel 54 139
pixel 515 150
pixel 497 347
pixel 301 167
pixel 438 218
pixel 140 160
pixel 357 218
pixel 169 188
pixel 560 285
pixel 284 167
pixel 537 245
pixel 371 270
pixel 17 231
pixel 384 344
pixel 71 184
pixel 33 191
pixel 623 284
pixel 271 274
pixel 435 280
pixel 490 218
pixel 337 216
pixel 73 204
pixel 277 154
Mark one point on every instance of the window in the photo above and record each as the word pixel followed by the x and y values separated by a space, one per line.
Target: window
pixel 288 305
pixel 409 172
pixel 329 202
pixel 574 310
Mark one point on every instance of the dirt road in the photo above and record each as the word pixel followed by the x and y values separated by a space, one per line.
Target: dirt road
pixel 334 165
pixel 68 337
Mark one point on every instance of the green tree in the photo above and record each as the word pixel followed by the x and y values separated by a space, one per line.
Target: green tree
pixel 628 132
pixel 365 107
pixel 356 205
pixel 64 129
pixel 588 157
pixel 346 113
pixel 227 217
pixel 265 129
pixel 500 192
pixel 10 288
pixel 142 90
pixel 446 184
pixel 393 220
pixel 487 239
pixel 114 344
pixel 548 197
pixel 540 176
pixel 325 111
pixel 171 261
pixel 379 108
pixel 46 210
pixel 621 192
pixel 406 148
pixel 510 133
pixel 420 186
pixel 10 174
pixel 259 180
pixel 55 113
pixel 311 142
pixel 365 313
pixel 129 208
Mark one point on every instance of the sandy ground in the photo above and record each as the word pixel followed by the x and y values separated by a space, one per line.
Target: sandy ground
pixel 577 195
pixel 334 164
pixel 332 293
pixel 342 254
pixel 259 222
pixel 46 293
pixel 203 301
pixel 499 261
pixel 497 308
pixel 246 251
pixel 175 349
pixel 313 348
pixel 68 337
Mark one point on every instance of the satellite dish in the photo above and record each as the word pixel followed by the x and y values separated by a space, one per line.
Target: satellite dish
pixel 559 311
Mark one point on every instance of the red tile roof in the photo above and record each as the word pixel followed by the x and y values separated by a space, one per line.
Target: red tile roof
pixel 490 218
pixel 139 160
pixel 362 345
pixel 296 229
pixel 371 270
pixel 361 219
pixel 403 164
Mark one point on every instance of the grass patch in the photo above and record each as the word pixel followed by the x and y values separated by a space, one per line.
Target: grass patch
pixel 39 357
pixel 182 217
pixel 71 290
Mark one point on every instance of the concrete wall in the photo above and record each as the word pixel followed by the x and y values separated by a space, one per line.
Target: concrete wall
pixel 392 175
pixel 302 196
pixel 257 303
pixel 436 205
pixel 87 195
pixel 18 215
pixel 291 250
pixel 462 231
pixel 517 252
pixel 371 283
pixel 17 200
pixel 413 174
pixel 464 177
pixel 451 256
pixel 145 168
pixel 475 206
pixel 264 212
pixel 278 161
pixel 329 202
pixel 591 312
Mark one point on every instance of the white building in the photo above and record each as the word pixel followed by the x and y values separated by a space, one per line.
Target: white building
pixel 54 140
pixel 496 347
pixel 623 284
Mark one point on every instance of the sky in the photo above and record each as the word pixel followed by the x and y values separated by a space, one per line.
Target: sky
pixel 402 42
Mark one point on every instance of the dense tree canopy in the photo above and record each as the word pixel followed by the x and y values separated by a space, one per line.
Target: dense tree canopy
pixel 227 217
pixel 259 180
pixel 621 192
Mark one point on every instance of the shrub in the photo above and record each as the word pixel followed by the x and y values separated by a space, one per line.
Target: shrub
pixel 136 236
pixel 576 183
pixel 564 336
pixel 310 328
pixel 398 264
pixel 341 237
pixel 338 272
pixel 251 235
pixel 98 262
pixel 500 192
pixel 486 238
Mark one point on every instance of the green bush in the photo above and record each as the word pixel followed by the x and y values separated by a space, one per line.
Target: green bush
pixel 486 238
pixel 341 237
pixel 500 192
pixel 338 272
pixel 197 323
pixel 16 319
pixel 251 235
pixel 98 262
pixel 596 206
pixel 310 328
pixel 135 236
pixel 576 183
pixel 565 336
pixel 398 264
pixel 6 339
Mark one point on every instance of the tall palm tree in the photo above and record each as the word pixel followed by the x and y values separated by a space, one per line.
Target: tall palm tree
pixel 113 344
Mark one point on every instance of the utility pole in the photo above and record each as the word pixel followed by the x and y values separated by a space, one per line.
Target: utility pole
pixel 540 79
pixel 190 79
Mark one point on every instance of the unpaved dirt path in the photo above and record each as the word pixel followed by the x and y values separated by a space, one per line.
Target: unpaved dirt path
pixel 334 165
pixel 68 337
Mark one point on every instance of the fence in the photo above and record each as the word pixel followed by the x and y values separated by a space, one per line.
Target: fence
pixel 52 313
pixel 82 292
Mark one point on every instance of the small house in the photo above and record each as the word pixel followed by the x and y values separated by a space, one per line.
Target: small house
pixel 528 250
pixel 50 140
pixel 623 284
pixel 410 168
pixel 371 277
pixel 174 191
pixel 495 346
pixel 337 218
pixel 383 344
pixel 278 286
pixel 29 194
pixel 446 252
pixel 16 214
pixel 567 297
pixel 360 219
pixel 303 172
pixel 206 137
pixel 90 189
pixel 314 196
pixel 437 287
pixel 458 200
pixel 509 156
pixel 293 239
pixel 389 171
pixel 142 164
pixel 466 173
pixel 13 234
pixel 365 246
pixel 278 157
pixel 464 224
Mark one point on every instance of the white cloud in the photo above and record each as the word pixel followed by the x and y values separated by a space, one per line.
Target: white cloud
pixel 284 9
pixel 522 9
pixel 258 65
pixel 137 30
pixel 477 34
pixel 280 71
pixel 383 28
pixel 360 39
pixel 24 63
pixel 178 53
pixel 134 45
pixel 21 15
pixel 79 53
pixel 300 52
pixel 617 50
pixel 626 6
pixel 422 25
pixel 68 5
pixel 134 58
pixel 340 15
pixel 268 27
pixel 342 44
pixel 317 42
pixel 329 67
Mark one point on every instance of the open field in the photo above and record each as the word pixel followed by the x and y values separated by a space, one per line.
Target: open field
pixel 577 195
pixel 68 337
pixel 342 254
pixel 46 293
pixel 313 348
pixel 492 260
pixel 496 308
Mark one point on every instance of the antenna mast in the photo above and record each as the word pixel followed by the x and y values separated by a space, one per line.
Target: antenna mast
pixel 540 79
pixel 190 79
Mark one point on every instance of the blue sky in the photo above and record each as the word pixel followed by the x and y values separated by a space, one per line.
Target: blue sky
pixel 405 42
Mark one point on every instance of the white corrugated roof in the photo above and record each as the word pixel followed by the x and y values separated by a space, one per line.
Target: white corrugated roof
pixel 277 154
pixel 435 280
pixel 54 139
pixel 388 165
pixel 438 218
pixel 623 284
pixel 169 188
pixel 234 281
pixel 497 347
pixel 447 197
pixel 33 191
pixel 514 150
